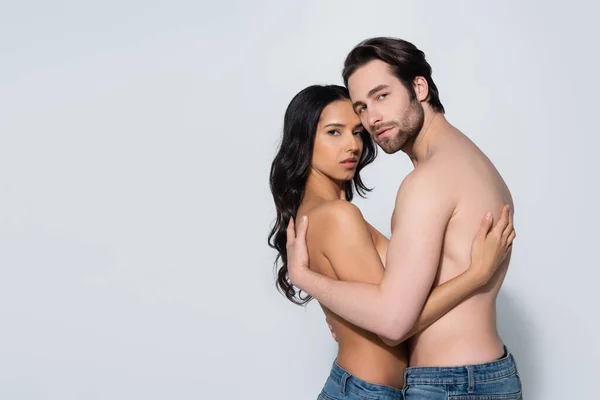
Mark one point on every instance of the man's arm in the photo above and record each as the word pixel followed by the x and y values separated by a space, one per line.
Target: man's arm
pixel 488 251
pixel 390 308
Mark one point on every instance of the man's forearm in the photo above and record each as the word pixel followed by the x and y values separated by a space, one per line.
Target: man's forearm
pixel 361 304
pixel 441 300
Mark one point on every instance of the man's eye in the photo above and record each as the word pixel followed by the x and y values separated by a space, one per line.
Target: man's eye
pixel 382 96
pixel 361 109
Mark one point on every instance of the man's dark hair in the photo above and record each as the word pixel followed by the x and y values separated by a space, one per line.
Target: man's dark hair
pixel 406 62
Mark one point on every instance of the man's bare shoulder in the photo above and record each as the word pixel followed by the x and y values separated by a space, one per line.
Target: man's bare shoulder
pixel 426 179
pixel 427 187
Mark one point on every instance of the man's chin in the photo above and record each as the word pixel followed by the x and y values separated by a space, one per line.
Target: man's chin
pixel 391 148
pixel 388 150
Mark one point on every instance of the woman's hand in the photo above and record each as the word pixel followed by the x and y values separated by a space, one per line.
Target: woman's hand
pixel 491 245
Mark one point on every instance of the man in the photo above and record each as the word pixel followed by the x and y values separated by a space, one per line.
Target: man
pixel 437 211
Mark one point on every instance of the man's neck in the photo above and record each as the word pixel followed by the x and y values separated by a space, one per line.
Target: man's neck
pixel 423 146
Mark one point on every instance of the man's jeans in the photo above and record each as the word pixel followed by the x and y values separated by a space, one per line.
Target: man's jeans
pixel 496 380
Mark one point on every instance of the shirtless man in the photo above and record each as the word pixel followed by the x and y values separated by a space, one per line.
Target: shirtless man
pixel 437 212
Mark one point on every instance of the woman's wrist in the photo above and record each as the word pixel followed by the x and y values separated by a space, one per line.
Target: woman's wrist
pixel 476 277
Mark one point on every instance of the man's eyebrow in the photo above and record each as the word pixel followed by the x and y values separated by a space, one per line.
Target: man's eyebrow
pixel 356 104
pixel 376 89
pixel 371 93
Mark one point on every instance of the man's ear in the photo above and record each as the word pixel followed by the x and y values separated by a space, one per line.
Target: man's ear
pixel 421 88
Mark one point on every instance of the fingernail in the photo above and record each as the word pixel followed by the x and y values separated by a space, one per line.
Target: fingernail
pixel 488 215
pixel 304 218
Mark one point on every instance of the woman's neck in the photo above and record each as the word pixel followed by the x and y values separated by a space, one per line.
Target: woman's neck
pixel 321 186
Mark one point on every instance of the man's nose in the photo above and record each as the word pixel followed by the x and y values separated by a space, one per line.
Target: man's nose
pixel 373 117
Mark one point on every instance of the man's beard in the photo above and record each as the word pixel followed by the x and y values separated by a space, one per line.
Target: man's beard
pixel 408 129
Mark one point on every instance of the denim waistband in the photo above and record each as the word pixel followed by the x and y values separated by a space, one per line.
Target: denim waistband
pixel 349 382
pixel 454 375
pixel 337 373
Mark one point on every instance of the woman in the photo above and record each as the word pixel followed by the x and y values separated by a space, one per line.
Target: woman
pixel 315 173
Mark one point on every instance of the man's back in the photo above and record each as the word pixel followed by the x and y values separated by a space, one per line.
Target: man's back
pixel 466 335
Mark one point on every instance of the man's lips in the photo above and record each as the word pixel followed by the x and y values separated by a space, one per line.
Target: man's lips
pixel 382 130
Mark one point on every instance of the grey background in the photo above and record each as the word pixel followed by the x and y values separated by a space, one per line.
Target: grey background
pixel 135 145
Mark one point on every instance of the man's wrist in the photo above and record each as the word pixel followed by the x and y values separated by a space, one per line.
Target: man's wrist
pixel 303 279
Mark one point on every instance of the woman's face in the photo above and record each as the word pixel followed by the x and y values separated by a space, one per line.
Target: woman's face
pixel 338 144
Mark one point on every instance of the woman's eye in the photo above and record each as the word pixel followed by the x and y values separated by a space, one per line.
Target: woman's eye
pixel 358 133
pixel 333 132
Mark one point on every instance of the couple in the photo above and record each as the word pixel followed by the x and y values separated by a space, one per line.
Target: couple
pixel 414 316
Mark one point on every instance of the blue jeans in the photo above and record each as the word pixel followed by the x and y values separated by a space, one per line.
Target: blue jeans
pixel 496 380
pixel 341 385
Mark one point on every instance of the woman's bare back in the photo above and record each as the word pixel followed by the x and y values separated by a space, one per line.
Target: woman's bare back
pixel 360 352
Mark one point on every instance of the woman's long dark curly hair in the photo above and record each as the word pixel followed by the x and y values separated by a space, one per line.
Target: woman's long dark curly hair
pixel 290 168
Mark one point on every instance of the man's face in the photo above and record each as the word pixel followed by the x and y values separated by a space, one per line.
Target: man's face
pixel 384 106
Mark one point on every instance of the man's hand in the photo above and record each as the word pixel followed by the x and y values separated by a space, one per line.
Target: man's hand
pixel 297 252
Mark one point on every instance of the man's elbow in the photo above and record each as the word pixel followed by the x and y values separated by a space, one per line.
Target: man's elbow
pixel 386 327
pixel 393 337
pixel 395 330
